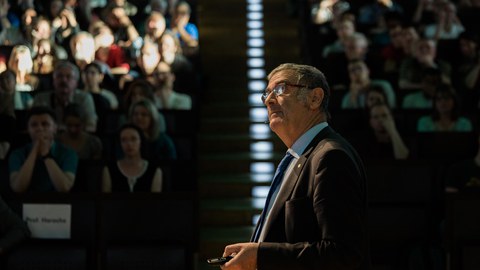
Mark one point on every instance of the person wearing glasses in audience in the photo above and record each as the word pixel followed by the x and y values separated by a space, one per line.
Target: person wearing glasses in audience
pixel 315 216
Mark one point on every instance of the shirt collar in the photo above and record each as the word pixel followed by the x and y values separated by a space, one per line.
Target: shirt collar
pixel 301 143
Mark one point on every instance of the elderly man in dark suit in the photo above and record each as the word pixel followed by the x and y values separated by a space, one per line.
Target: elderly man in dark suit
pixel 315 216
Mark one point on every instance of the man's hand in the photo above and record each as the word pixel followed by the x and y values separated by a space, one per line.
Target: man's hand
pixel 244 256
pixel 42 144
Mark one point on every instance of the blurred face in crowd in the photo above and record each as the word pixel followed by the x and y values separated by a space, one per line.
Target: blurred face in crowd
pixel 396 36
pixel 356 47
pixel 444 103
pixel 149 58
pixel 155 25
pixel 141 118
pixel 21 59
pixel 374 97
pixel 345 29
pixel 83 47
pixel 358 71
pixel 168 44
pixel 65 82
pixel 130 142
pixel 92 77
pixel 468 48
pixel 378 115
pixel 181 13
pixel 425 51
pixel 41 126
pixel 7 83
pixel 164 78
pixel 74 126
pixel 44 47
pixel 42 30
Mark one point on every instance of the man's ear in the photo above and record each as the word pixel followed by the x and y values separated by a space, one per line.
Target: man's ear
pixel 316 98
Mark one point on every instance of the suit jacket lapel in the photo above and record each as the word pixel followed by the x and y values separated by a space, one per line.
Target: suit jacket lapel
pixel 288 184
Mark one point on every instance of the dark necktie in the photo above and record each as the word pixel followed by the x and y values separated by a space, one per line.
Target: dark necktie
pixel 272 193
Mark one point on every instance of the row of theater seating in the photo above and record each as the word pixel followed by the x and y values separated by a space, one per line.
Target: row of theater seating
pixel 410 218
pixel 414 224
pixel 115 231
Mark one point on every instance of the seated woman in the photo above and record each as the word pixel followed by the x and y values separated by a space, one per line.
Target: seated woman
pixel 445 116
pixel 145 115
pixel 132 172
pixel 86 145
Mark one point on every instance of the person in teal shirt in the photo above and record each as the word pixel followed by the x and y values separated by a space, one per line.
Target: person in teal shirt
pixel 446 115
pixel 43 165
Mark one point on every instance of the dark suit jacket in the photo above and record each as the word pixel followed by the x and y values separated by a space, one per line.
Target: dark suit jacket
pixel 319 218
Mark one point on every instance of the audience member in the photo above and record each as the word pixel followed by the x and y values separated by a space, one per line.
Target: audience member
pixel 137 90
pixel 21 100
pixel 12 229
pixel 371 15
pixel 381 139
pixel 45 58
pixel 44 164
pixel 356 47
pixel 11 35
pixel 375 94
pixel 145 115
pixel 7 112
pixel 447 25
pixel 446 113
pixel 393 54
pixel 86 145
pixel 328 11
pixel 108 52
pixel 360 82
pixel 412 70
pixel 42 30
pixel 424 13
pixel 8 18
pixel 409 39
pixel 166 97
pixel 92 77
pixel 155 26
pixel 65 81
pixel 64 26
pixel 185 30
pixel 466 66
pixel 132 172
pixel 422 99
pixel 147 63
pixel 124 31
pixel 344 29
pixel 171 53
pixel 20 62
pixel 160 6
pixel 82 49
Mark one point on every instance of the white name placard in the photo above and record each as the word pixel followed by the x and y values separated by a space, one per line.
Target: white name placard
pixel 48 221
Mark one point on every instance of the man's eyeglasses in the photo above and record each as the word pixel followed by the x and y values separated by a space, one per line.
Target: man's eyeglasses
pixel 279 89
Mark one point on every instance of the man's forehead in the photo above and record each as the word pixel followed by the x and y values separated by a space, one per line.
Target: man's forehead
pixel 41 118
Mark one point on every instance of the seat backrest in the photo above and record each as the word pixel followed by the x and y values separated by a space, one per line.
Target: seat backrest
pixel 144 257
